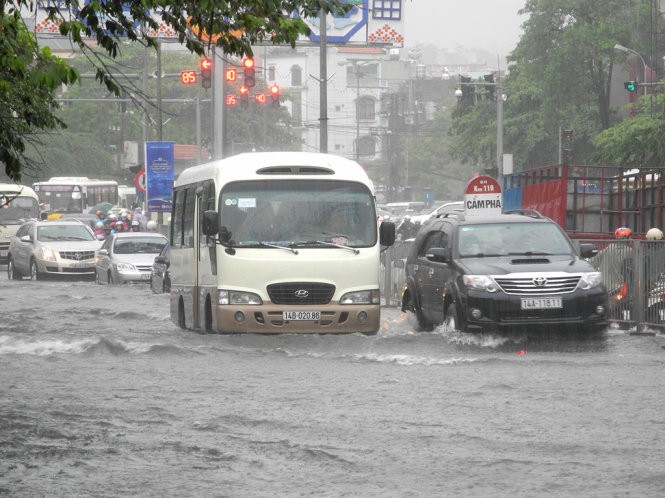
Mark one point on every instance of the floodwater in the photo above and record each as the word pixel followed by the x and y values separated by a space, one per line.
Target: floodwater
pixel 101 395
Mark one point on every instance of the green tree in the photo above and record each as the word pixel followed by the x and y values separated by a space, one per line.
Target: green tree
pixel 559 78
pixel 28 77
pixel 636 142
pixel 29 74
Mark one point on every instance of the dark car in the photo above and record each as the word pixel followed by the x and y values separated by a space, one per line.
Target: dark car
pixel 160 277
pixel 497 273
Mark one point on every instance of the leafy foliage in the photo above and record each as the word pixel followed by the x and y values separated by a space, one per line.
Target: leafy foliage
pixel 636 142
pixel 559 78
pixel 30 74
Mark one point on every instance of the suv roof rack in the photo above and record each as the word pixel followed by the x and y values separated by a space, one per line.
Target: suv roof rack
pixel 532 213
pixel 457 213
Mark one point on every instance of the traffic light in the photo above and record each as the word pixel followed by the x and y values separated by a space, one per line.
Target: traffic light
pixel 248 66
pixel 631 86
pixel 244 95
pixel 274 95
pixel 567 146
pixel 468 96
pixel 206 73
pixel 490 87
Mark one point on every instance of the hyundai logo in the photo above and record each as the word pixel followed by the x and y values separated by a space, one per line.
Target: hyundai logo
pixel 301 293
pixel 539 281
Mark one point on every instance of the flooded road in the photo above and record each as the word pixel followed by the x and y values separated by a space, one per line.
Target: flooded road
pixel 101 395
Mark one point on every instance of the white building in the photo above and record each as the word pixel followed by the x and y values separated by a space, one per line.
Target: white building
pixel 354 89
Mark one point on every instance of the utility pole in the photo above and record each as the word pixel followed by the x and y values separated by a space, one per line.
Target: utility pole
pixel 323 79
pixel 499 130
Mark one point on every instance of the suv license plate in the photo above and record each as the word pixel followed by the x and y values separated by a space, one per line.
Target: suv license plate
pixel 541 303
pixel 301 315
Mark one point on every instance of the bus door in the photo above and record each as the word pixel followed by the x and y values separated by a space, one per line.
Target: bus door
pixel 198 200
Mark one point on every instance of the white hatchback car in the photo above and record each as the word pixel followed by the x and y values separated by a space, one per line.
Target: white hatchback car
pixel 448 207
pixel 128 257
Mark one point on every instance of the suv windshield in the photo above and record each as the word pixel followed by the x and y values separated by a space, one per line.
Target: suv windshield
pixel 511 239
pixel 64 232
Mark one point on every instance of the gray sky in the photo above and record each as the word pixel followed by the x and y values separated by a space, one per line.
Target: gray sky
pixel 489 24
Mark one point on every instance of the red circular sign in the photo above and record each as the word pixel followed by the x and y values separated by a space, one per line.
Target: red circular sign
pixel 483 185
pixel 139 180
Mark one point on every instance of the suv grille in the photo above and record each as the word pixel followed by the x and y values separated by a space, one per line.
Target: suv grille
pixel 308 293
pixel 538 284
pixel 77 255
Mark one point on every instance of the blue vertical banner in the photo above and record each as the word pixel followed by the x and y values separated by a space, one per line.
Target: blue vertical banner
pixel 159 171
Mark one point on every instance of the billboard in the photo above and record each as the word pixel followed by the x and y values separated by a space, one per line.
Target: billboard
pixel 159 170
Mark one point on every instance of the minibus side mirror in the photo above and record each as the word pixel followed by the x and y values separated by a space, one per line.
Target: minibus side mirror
pixel 210 222
pixel 387 233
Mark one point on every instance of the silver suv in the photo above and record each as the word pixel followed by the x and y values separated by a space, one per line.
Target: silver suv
pixel 58 248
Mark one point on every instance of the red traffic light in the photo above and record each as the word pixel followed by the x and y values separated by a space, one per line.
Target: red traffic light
pixel 244 90
pixel 274 94
pixel 248 65
pixel 206 73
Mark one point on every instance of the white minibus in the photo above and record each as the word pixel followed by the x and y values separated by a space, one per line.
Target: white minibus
pixel 276 242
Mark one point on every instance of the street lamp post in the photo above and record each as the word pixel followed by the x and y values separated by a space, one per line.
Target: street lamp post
pixel 498 86
pixel 627 50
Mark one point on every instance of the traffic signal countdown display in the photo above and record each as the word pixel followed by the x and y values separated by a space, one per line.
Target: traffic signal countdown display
pixel 206 73
pixel 188 77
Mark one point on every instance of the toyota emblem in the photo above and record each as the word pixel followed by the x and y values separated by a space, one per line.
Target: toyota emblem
pixel 301 293
pixel 539 281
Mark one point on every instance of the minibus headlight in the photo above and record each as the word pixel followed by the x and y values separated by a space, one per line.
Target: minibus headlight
pixel 590 280
pixel 238 297
pixel 361 297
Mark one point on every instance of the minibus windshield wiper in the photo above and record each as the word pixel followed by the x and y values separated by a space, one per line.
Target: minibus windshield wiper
pixel 284 248
pixel 323 242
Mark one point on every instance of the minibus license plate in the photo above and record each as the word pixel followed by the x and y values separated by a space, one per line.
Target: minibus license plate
pixel 541 303
pixel 301 315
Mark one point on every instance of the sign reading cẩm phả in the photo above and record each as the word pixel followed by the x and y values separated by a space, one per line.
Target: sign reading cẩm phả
pixel 483 196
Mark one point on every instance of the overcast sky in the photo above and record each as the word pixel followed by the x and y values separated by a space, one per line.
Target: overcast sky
pixel 489 24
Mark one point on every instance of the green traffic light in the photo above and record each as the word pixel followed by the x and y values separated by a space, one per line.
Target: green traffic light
pixel 631 86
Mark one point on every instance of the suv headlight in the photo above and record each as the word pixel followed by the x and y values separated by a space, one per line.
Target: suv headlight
pixel 47 253
pixel 590 280
pixel 480 282
pixel 361 297
pixel 237 297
